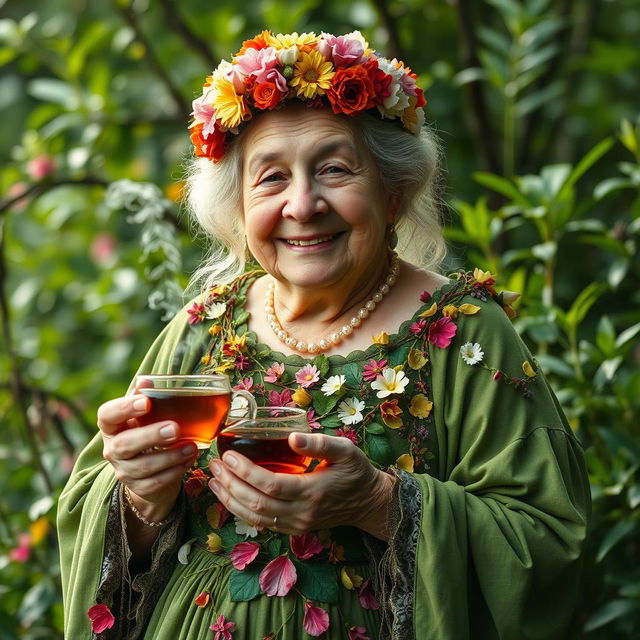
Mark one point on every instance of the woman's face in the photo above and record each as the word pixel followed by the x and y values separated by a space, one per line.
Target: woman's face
pixel 315 213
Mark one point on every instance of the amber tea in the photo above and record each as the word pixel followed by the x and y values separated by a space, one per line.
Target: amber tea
pixel 266 446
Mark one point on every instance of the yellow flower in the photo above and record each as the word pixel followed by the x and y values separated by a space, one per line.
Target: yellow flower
pixel 482 276
pixel 381 338
pixel 304 41
pixel 237 343
pixel 405 462
pixel 231 108
pixel 214 543
pixel 420 406
pixel 205 359
pixel 391 412
pixel 215 330
pixel 350 579
pixel 301 397
pixel 219 290
pixel 528 369
pixel 450 311
pixel 312 75
pixel 468 309
pixel 225 366
pixel 39 529
pixel 213 515
pixel 429 312
pixel 416 359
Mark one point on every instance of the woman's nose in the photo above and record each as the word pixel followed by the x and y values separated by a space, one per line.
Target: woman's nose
pixel 303 200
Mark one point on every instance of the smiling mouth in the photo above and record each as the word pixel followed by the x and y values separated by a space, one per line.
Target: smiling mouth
pixel 309 243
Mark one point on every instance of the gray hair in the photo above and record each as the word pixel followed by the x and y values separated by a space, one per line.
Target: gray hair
pixel 408 166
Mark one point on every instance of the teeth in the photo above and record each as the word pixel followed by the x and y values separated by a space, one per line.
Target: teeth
pixel 307 243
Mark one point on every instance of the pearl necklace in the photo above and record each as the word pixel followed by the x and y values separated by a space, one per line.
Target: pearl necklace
pixel 337 337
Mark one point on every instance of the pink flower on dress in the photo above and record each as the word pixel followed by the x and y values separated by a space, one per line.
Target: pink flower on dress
pixel 372 370
pixel 311 420
pixel 307 376
pixel 305 545
pixel 246 385
pixel 280 399
pixel 348 433
pixel 243 554
pixel 418 327
pixel 222 628
pixel 425 296
pixel 197 313
pixel 441 332
pixel 277 578
pixel 242 362
pixel 367 597
pixel 316 619
pixel 358 633
pixel 101 618
pixel 274 372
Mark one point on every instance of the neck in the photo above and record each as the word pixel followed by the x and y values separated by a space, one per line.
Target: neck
pixel 323 317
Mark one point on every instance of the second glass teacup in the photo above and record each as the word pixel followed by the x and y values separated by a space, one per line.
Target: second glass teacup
pixel 264 439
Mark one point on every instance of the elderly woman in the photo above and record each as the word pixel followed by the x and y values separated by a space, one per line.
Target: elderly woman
pixel 450 497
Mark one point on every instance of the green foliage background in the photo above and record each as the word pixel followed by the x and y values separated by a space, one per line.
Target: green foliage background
pixel 536 103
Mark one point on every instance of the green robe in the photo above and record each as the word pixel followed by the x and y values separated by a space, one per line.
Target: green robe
pixel 490 511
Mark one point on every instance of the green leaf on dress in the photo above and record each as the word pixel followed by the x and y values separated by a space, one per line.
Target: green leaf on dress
pixel 241 318
pixel 273 547
pixel 375 427
pixel 380 449
pixel 229 536
pixel 244 585
pixel 322 363
pixel 323 404
pixel 352 374
pixel 331 422
pixel 398 356
pixel 317 581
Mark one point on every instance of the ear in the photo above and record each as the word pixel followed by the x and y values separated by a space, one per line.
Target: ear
pixel 393 207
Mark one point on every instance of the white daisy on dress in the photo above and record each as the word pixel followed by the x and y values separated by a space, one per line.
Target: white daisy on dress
pixel 471 353
pixel 215 310
pixel 245 528
pixel 332 385
pixel 391 381
pixel 350 411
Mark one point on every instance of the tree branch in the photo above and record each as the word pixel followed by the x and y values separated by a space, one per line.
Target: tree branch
pixel 396 49
pixel 477 113
pixel 130 17
pixel 176 23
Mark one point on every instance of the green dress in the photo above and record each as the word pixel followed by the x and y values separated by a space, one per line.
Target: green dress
pixel 488 519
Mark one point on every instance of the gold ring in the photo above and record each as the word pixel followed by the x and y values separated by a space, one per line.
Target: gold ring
pixel 275 524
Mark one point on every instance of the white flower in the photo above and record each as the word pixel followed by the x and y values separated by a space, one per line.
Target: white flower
pixel 471 353
pixel 239 408
pixel 215 310
pixel 391 381
pixel 397 100
pixel 350 411
pixel 245 528
pixel 332 385
pixel 288 56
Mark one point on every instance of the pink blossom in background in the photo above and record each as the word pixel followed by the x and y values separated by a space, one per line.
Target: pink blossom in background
pixel 16 190
pixel 316 619
pixel 305 545
pixel 40 167
pixel 101 618
pixel 277 578
pixel 102 248
pixel 243 554
pixel 22 552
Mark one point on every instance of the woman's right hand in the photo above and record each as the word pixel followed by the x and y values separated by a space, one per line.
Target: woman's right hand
pixel 142 457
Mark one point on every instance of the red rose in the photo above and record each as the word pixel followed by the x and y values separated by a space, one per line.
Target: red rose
pixel 196 482
pixel 381 80
pixel 351 91
pixel 266 95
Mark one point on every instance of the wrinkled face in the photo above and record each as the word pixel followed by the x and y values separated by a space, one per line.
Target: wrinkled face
pixel 314 211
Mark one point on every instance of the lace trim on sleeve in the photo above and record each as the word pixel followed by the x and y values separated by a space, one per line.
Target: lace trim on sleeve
pixel 395 564
pixel 130 595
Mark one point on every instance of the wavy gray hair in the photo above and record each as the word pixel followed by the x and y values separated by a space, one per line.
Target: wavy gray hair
pixel 408 166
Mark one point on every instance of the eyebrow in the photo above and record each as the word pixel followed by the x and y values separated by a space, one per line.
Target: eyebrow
pixel 323 149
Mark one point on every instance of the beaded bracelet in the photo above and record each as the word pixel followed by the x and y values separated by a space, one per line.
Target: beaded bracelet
pixel 137 514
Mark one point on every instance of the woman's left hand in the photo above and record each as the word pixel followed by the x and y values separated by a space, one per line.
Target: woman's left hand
pixel 344 489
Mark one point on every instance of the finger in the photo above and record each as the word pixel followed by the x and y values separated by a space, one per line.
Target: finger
pixel 149 464
pixel 324 447
pixel 114 414
pixel 155 488
pixel 275 485
pixel 132 442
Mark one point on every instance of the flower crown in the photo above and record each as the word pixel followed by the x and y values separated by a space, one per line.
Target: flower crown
pixel 341 71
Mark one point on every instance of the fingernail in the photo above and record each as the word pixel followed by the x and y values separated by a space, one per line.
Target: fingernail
pixel 301 440
pixel 188 449
pixel 216 468
pixel 230 460
pixel 214 486
pixel 139 404
pixel 168 431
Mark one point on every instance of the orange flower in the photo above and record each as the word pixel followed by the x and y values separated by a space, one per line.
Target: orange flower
pixel 203 599
pixel 391 412
pixel 210 147
pixel 266 95
pixel 257 42
pixel 351 90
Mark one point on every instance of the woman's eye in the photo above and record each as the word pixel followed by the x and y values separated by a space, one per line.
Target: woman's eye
pixel 335 169
pixel 273 177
